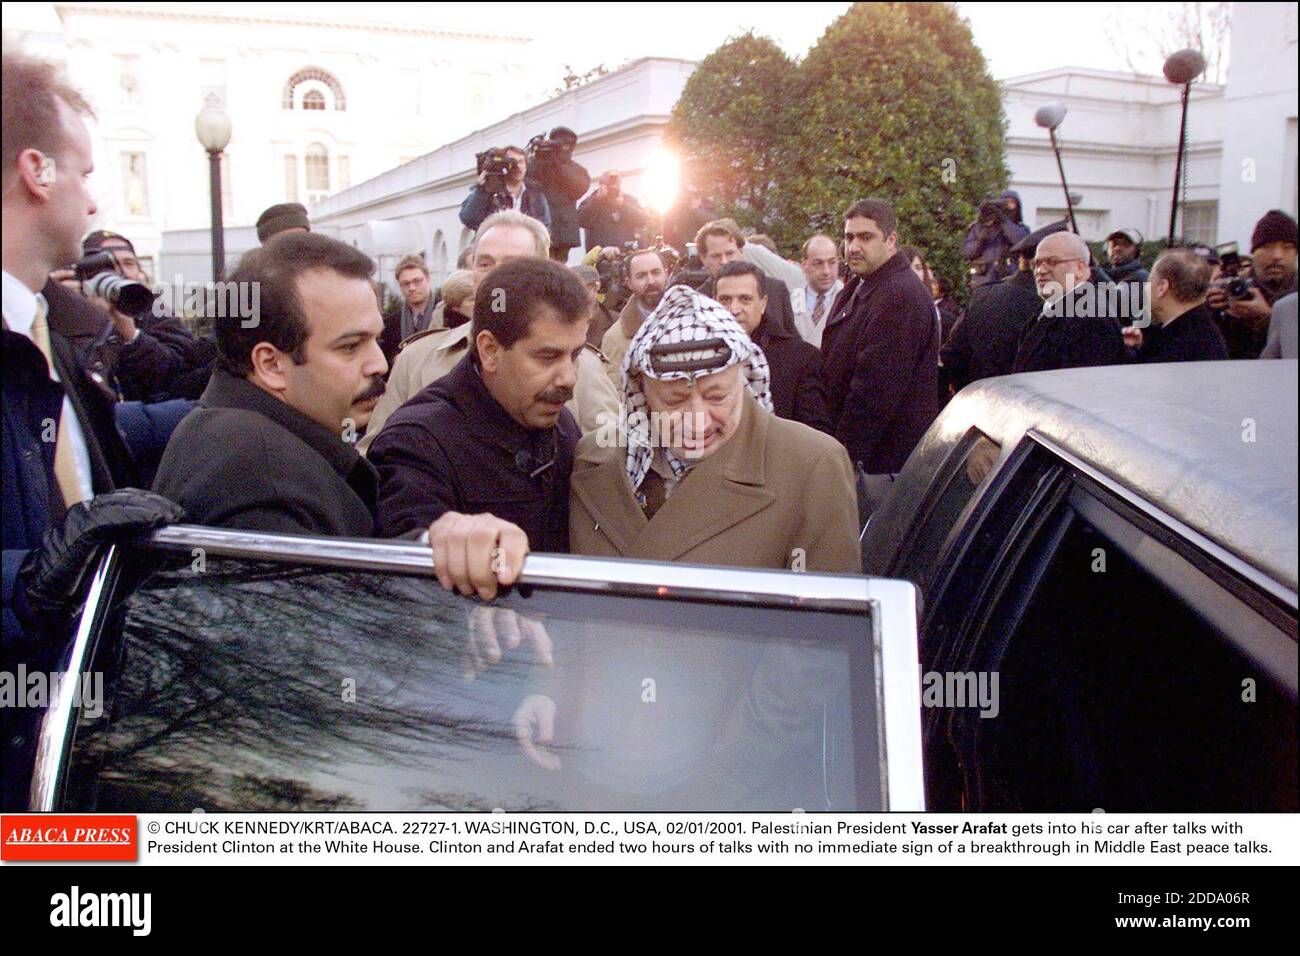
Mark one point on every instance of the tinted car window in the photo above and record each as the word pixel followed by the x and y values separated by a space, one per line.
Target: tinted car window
pixel 254 686
pixel 1115 694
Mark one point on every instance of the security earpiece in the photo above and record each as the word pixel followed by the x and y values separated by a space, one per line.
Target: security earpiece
pixel 45 172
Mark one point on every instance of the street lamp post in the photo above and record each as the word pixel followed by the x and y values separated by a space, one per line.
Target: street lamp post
pixel 212 126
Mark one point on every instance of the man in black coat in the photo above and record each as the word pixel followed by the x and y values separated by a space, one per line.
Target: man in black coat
pixel 1124 250
pixel 880 349
pixel 798 392
pixel 564 182
pixel 609 216
pixel 493 438
pixel 270 446
pixel 1182 326
pixel 1073 329
pixel 984 342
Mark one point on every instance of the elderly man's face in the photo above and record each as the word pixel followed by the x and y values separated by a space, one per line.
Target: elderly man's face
pixel 694 418
pixel 1059 265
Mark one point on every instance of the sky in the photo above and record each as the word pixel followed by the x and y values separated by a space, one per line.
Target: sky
pixel 1016 38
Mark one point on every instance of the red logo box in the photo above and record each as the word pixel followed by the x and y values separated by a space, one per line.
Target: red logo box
pixel 62 836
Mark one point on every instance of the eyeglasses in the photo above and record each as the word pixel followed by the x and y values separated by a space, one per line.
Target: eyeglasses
pixel 1050 264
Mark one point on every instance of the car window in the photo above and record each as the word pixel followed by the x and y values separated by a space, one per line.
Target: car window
pixel 251 685
pixel 1115 692
pixel 968 470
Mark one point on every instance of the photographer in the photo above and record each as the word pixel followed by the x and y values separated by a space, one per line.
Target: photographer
pixel 563 182
pixel 502 184
pixel 1244 306
pixel 157 358
pixel 610 216
pixel 991 236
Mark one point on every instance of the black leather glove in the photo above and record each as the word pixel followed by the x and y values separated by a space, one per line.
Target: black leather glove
pixel 51 576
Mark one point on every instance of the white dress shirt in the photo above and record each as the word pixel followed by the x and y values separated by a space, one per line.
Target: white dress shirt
pixel 20 304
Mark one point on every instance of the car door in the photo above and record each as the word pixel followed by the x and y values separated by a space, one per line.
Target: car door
pixel 258 672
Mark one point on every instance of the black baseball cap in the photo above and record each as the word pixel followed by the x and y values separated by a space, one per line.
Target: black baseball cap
pixel 95 241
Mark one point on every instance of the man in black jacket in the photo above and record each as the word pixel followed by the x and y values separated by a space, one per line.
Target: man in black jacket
pixel 493 435
pixel 609 216
pixel 1074 328
pixel 1124 250
pixel 880 349
pixel 269 447
pixel 564 182
pixel 1182 327
pixel 984 342
pixel 719 242
pixel 798 392
pixel 159 359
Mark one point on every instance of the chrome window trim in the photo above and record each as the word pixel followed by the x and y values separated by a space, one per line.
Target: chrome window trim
pixel 892 605
pixel 1210 548
pixel 55 741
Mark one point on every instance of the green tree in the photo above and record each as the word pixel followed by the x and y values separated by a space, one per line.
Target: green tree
pixel 895 100
pixel 728 125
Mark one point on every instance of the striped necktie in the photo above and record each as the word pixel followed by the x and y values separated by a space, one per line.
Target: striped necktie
pixel 65 466
pixel 820 309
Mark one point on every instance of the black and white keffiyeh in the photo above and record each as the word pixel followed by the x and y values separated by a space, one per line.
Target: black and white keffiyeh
pixel 687 336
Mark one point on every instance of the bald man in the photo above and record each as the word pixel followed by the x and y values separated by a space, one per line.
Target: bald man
pixel 1073 329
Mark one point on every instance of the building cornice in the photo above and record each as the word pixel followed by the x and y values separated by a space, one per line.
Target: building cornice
pixel 198 15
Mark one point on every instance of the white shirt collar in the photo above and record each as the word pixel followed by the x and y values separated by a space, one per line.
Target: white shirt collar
pixel 19 306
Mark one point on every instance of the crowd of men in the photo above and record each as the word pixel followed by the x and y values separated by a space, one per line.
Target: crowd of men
pixel 725 414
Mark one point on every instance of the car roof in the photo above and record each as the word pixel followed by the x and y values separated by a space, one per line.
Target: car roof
pixel 1212 444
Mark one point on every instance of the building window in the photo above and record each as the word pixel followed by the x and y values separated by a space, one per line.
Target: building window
pixel 290 178
pixel 135 185
pixel 1200 222
pixel 316 172
pixel 314 78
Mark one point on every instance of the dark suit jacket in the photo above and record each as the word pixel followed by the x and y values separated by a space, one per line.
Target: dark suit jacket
pixel 245 459
pixel 798 392
pixel 984 341
pixel 1068 334
pixel 880 356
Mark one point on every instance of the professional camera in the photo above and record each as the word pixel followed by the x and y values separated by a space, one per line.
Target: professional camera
pixel 99 277
pixel 1237 287
pixel 543 149
pixel 991 212
pixel 498 165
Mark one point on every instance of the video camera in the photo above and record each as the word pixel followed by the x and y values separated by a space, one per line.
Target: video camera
pixel 99 277
pixel 555 147
pixel 992 211
pixel 498 165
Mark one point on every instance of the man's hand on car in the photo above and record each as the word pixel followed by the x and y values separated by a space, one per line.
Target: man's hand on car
pixel 475 554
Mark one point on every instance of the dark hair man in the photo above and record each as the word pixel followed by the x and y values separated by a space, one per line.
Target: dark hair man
pixel 1073 329
pixel 282 217
pixel 1244 322
pixel 493 435
pixel 880 348
pixel 270 446
pixel 647 279
pixel 983 343
pixel 521 194
pixel 1182 326
pixel 798 392
pixel 610 216
pixel 564 182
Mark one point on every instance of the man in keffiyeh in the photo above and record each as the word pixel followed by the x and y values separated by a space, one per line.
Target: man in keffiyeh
pixel 700 469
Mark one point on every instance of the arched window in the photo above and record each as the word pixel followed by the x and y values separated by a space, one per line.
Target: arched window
pixel 321 88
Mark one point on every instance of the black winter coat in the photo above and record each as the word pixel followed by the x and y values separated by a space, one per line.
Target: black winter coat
pixel 1064 335
pixel 880 357
pixel 798 392
pixel 1192 337
pixel 454 448
pixel 564 182
pixel 245 459
pixel 610 225
pixel 984 342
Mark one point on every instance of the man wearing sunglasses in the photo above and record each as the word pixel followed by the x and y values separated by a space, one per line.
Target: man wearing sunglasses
pixel 1074 329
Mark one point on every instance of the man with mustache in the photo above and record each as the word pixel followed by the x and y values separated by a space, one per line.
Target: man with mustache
pixel 271 445
pixel 487 450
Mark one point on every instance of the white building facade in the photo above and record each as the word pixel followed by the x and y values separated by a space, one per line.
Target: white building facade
pixel 316 105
